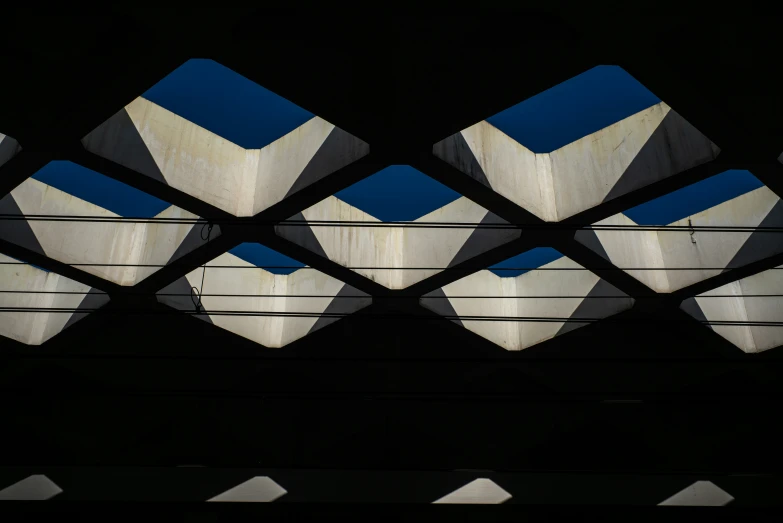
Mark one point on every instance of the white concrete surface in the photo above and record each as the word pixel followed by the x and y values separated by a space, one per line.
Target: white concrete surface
pixel 260 489
pixel 580 175
pixel 90 242
pixel 394 247
pixel 34 328
pixel 33 488
pixel 739 301
pixel 481 491
pixel 674 249
pixel 518 335
pixel 240 181
pixel 700 494
pixel 282 291
pixel 8 148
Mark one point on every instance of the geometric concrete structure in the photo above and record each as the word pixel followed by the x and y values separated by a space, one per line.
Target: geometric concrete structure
pixel 643 148
pixel 700 494
pixel 97 242
pixel 557 295
pixel 28 287
pixel 157 143
pixel 8 148
pixel 396 256
pixel 481 491
pixel 669 260
pixel 270 309
pixel 748 303
pixel 33 488
pixel 260 489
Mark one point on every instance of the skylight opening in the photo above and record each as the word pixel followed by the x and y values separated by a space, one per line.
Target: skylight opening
pixel 100 190
pixel 575 108
pixel 262 256
pixel 398 193
pixel 530 260
pixel 694 198
pixel 227 104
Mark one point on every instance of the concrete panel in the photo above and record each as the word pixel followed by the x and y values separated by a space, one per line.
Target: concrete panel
pixel 256 290
pixel 751 299
pixel 706 253
pixel 99 243
pixel 33 488
pixel 480 491
pixel 8 148
pixel 34 328
pixel 240 181
pixel 521 297
pixel 648 146
pixel 397 248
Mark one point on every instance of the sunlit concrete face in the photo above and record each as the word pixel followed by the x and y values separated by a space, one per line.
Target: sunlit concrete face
pixel 558 289
pixel 397 257
pixel 158 143
pixel 272 310
pixel 754 300
pixel 640 149
pixel 32 288
pixel 8 148
pixel 89 242
pixel 669 260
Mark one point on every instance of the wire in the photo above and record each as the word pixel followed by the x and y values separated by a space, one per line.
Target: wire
pixel 425 225
pixel 197 303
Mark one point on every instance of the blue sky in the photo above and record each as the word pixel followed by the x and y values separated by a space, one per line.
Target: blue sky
pixel 262 256
pixel 529 259
pixel 232 106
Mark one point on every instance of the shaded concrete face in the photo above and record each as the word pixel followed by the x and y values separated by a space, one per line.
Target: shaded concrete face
pixel 93 242
pixel 34 286
pixel 8 148
pixel 572 294
pixel 243 182
pixel 704 254
pixel 750 299
pixel 255 290
pixel 397 249
pixel 644 148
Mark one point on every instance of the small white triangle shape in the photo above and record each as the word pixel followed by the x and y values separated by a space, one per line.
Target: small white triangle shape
pixel 700 494
pixel 33 488
pixel 260 489
pixel 481 491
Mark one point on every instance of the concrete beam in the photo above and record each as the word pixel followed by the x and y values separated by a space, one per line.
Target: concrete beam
pixel 33 284
pixel 243 182
pixel 397 248
pixel 704 254
pixel 518 297
pixel 92 242
pixel 261 291
pixel 644 148
pixel 744 301
pixel 8 148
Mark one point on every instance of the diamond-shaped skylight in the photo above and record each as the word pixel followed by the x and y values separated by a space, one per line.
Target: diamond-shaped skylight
pixel 215 135
pixel 226 103
pixel 669 260
pixel 111 248
pixel 269 259
pixel 581 143
pixel 8 148
pixel 533 301
pixel 272 309
pixel 522 263
pixel 27 287
pixel 398 256
pixel 738 311
pixel 398 193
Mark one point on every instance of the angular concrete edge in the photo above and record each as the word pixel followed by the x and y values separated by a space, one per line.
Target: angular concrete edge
pixel 260 489
pixel 33 488
pixel 403 255
pixel 700 494
pixel 643 148
pixel 242 182
pixel 754 299
pixel 584 296
pixel 131 243
pixel 289 305
pixel 481 491
pixel 8 148
pixel 707 253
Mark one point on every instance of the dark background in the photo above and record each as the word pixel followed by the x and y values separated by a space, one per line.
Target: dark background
pixel 136 387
